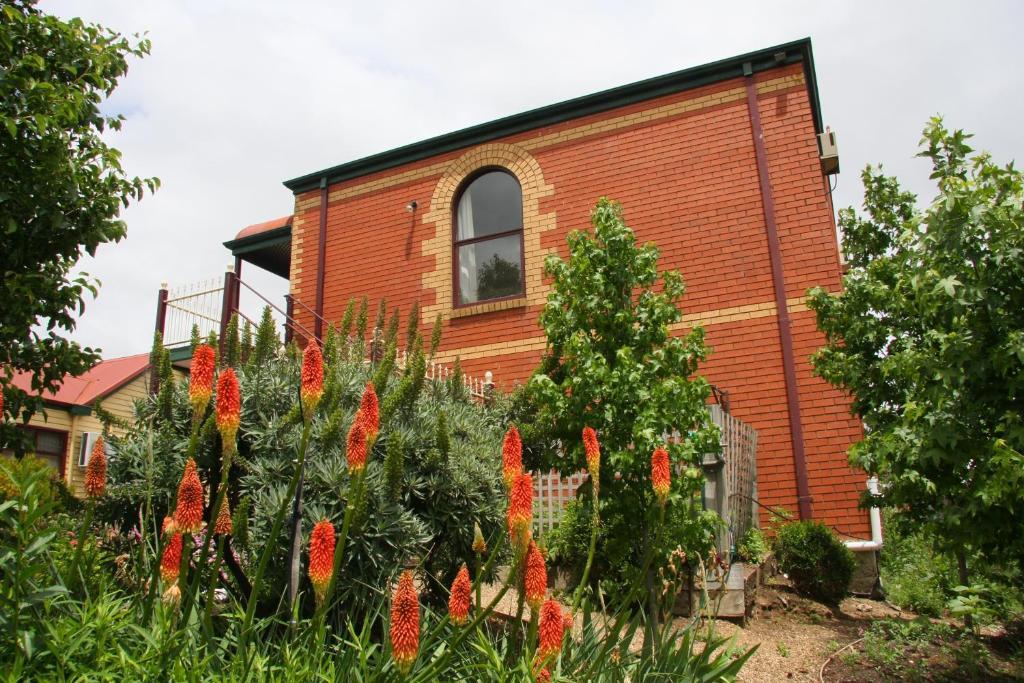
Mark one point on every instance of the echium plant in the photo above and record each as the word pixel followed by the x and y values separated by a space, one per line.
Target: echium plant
pixel 927 335
pixel 617 362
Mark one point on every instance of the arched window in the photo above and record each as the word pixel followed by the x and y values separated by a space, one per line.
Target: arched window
pixel 488 245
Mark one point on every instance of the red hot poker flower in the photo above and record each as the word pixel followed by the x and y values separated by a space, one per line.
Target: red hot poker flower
pixel 355 445
pixel 200 383
pixel 661 476
pixel 511 456
pixel 370 410
pixel 520 511
pixel 229 407
pixel 536 578
pixel 544 676
pixel 552 630
pixel 223 524
pixel 593 450
pixel 312 378
pixel 170 563
pixel 479 544
pixel 321 558
pixel 405 623
pixel 188 515
pixel 96 471
pixel 458 601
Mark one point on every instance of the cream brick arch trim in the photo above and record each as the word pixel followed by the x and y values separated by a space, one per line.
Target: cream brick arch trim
pixel 526 169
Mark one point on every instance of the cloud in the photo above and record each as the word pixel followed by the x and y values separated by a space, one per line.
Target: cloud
pixel 237 97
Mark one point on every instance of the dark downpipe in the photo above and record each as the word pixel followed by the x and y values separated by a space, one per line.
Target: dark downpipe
pixel 289 316
pixel 321 260
pixel 804 499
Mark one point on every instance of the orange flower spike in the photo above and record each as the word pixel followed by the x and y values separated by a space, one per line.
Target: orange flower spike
pixel 661 474
pixel 520 511
pixel 536 579
pixel 188 515
pixel 312 378
pixel 370 410
pixel 458 601
pixel 321 558
pixel 96 471
pixel 170 562
pixel 552 630
pixel 229 407
pixel 405 623
pixel 593 449
pixel 223 524
pixel 200 382
pixel 168 526
pixel 511 456
pixel 544 676
pixel 355 445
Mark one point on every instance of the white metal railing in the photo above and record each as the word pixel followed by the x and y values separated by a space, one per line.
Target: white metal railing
pixel 195 304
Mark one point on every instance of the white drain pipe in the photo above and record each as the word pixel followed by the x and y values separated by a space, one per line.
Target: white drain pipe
pixel 875 516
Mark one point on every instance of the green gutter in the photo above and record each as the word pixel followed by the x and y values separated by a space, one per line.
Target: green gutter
pixel 798 51
pixel 260 240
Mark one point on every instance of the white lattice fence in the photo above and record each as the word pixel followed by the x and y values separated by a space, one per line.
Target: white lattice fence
pixel 551 493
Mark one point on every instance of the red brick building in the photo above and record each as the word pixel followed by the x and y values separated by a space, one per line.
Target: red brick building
pixel 719 165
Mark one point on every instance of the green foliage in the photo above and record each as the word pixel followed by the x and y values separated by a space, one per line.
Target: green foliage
pixel 422 515
pixel 345 329
pixel 753 546
pixel 817 562
pixel 914 575
pixel 233 343
pixel 49 488
pixel 435 336
pixel 412 328
pixel 361 318
pixel 927 334
pixel 62 189
pixel 195 339
pixel 394 466
pixel 612 364
pixel 246 342
pixel 267 342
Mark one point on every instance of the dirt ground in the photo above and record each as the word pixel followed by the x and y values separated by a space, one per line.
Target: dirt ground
pixel 795 636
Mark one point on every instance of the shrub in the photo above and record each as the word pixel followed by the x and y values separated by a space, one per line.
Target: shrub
pixel 753 546
pixel 444 473
pixel 817 562
pixel 49 484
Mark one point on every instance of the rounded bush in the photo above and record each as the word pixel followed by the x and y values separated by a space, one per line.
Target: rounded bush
pixel 817 562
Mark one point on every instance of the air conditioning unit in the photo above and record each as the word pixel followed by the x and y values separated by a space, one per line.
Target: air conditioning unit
pixel 85 447
pixel 829 152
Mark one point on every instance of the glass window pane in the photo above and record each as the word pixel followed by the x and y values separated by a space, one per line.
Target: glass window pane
pixel 490 269
pixel 49 442
pixel 491 204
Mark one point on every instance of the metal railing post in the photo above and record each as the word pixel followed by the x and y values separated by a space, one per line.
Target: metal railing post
pixel 289 314
pixel 227 305
pixel 161 321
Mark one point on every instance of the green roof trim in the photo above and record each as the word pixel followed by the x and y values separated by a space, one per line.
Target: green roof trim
pixel 260 240
pixel 798 51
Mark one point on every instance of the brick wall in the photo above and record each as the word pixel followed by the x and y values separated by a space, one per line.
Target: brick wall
pixel 684 168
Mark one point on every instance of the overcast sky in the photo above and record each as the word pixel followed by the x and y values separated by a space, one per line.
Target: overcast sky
pixel 239 96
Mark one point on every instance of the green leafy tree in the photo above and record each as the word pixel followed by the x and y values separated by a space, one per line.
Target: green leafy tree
pixel 612 364
pixel 62 189
pixel 928 337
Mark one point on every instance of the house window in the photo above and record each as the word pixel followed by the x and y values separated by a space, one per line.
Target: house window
pixel 488 242
pixel 48 445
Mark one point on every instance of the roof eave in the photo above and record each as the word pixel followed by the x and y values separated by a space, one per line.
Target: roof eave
pixel 732 67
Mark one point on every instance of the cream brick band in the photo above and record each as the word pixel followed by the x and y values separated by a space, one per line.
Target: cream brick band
pixel 718 316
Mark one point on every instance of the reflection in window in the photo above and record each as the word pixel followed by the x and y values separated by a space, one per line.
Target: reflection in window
pixel 489 239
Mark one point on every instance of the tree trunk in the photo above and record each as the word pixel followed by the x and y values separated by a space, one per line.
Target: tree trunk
pixel 961 565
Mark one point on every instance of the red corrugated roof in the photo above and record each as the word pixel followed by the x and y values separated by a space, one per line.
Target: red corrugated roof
pixel 266 226
pixel 102 379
